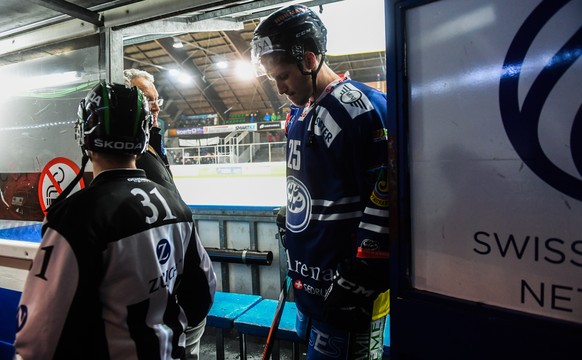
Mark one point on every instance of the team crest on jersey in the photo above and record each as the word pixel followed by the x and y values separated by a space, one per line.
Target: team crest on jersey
pixel 355 101
pixel 298 205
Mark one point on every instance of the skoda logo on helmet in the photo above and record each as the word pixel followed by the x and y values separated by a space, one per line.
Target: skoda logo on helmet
pixel 522 118
pixel 116 145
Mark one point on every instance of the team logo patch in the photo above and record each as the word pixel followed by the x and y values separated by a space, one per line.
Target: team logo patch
pixel 352 99
pixel 163 251
pixel 380 135
pixel 370 245
pixel 298 205
pixel 379 195
pixel 352 96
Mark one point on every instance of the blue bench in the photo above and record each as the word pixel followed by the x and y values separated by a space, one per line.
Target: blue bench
pixel 248 314
pixel 226 309
pixel 257 322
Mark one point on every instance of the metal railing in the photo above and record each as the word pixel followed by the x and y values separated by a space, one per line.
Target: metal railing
pixel 233 153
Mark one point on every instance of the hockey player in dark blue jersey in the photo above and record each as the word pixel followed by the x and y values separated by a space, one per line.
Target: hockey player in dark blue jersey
pixel 120 272
pixel 337 240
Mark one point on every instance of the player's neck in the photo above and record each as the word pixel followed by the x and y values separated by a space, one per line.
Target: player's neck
pixel 102 162
pixel 324 78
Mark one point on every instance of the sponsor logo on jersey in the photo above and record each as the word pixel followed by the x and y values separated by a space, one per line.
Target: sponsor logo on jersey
pixel 326 127
pixel 298 205
pixel 312 290
pixel 326 343
pixel 138 180
pixel 163 251
pixel 21 317
pixel 308 271
pixel 370 345
pixel 297 284
pixel 165 280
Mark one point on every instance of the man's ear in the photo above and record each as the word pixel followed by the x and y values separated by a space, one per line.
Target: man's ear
pixel 310 60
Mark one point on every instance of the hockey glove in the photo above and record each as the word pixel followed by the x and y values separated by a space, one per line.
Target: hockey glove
pixel 350 299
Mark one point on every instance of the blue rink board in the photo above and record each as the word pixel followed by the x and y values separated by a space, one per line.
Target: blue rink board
pixel 32 233
pixel 9 300
pixel 24 233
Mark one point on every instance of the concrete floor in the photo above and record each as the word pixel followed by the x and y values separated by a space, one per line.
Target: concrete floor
pixel 255 347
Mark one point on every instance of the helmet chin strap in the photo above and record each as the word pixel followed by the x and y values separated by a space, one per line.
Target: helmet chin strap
pixel 313 74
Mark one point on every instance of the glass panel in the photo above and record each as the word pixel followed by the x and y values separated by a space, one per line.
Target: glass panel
pixel 40 97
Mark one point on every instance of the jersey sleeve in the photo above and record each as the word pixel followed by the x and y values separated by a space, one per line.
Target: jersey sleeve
pixel 47 297
pixel 198 283
pixel 373 235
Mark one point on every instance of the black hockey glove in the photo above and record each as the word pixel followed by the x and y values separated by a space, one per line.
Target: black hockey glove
pixel 350 299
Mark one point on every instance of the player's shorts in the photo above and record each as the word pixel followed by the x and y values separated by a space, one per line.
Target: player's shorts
pixel 327 342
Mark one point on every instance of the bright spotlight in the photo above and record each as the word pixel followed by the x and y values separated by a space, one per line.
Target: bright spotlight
pixel 245 70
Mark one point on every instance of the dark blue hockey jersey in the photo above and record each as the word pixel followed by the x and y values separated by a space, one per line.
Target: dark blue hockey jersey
pixel 337 191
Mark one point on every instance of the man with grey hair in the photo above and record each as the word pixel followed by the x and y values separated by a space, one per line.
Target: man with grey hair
pixel 154 161
pixel 155 164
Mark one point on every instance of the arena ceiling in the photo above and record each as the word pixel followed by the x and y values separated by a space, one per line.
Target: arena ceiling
pixel 213 33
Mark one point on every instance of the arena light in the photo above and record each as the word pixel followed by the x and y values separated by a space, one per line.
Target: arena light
pixel 177 44
pixel 181 76
pixel 21 84
pixel 245 70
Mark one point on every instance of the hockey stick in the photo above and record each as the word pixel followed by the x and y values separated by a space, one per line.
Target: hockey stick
pixel 276 320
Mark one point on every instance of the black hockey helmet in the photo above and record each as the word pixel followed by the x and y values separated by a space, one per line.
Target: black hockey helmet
pixel 113 118
pixel 292 29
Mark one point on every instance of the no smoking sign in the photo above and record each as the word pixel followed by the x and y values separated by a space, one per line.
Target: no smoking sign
pixel 54 178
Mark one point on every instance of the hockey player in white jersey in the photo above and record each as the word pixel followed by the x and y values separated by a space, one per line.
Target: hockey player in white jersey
pixel 337 238
pixel 120 272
